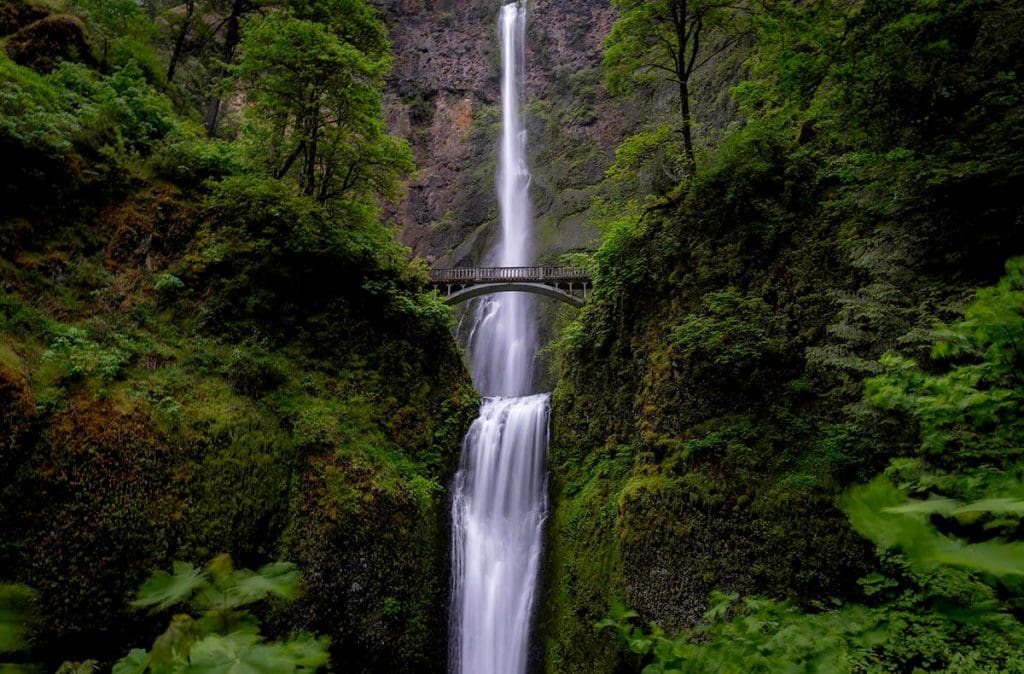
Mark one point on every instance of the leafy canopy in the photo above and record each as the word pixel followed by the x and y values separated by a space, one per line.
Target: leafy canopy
pixel 316 108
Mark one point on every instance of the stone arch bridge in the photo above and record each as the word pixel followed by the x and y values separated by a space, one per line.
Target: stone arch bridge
pixel 567 284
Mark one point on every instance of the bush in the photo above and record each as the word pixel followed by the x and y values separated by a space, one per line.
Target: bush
pixel 221 634
pixel 80 357
pixel 253 374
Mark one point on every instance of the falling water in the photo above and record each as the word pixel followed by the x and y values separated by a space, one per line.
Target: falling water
pixel 503 341
pixel 500 495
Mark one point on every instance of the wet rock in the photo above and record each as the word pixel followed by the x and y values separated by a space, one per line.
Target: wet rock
pixel 444 99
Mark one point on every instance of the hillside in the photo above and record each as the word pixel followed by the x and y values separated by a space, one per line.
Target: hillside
pixel 199 358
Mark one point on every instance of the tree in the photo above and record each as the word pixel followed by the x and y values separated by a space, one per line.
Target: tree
pixel 666 40
pixel 315 108
pixel 110 20
pixel 182 27
pixel 234 12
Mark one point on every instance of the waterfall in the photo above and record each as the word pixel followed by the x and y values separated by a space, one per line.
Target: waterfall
pixel 499 495
pixel 503 341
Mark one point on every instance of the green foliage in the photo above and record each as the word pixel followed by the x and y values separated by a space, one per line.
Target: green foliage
pixel 731 330
pixel 655 41
pixel 954 556
pixel 33 109
pixel 972 412
pixel 164 590
pixel 111 19
pixel 315 93
pixel 72 108
pixel 882 512
pixel 190 159
pixel 755 635
pixel 253 374
pixel 221 636
pixel 649 162
pixel 80 357
pixel 861 194
pixel 168 283
pixel 647 40
pixel 200 353
pixel 17 614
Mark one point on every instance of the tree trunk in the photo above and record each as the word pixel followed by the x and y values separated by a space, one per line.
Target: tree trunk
pixel 283 171
pixel 684 109
pixel 232 37
pixel 179 42
pixel 684 67
pixel 310 178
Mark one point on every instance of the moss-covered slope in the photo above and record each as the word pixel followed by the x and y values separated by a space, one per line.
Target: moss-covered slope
pixel 196 358
pixel 710 407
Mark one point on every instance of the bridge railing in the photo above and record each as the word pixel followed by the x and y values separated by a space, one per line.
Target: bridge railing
pixel 501 274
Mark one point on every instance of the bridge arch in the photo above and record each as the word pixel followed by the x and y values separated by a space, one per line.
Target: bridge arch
pixel 566 284
pixel 479 290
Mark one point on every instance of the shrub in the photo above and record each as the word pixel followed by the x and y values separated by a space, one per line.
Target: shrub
pixel 80 357
pixel 221 633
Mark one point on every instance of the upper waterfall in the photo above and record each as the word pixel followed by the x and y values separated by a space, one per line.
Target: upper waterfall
pixel 503 342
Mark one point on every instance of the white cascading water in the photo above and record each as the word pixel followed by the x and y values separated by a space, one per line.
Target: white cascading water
pixel 503 341
pixel 499 495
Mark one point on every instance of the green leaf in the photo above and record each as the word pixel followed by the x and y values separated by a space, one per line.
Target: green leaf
pixel 1000 506
pixel 238 653
pixel 999 559
pixel 134 663
pixel 163 590
pixel 934 505
pixel 640 646
pixel 280 579
pixel 307 651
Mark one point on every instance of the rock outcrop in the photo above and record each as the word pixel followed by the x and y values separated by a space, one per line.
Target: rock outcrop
pixel 444 99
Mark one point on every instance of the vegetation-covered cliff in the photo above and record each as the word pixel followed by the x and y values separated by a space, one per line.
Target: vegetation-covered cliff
pixel 208 340
pixel 712 407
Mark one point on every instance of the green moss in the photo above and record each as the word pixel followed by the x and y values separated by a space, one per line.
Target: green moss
pixel 582 575
pixel 17 407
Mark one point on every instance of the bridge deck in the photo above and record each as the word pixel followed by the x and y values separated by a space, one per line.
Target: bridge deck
pixel 568 284
pixel 510 274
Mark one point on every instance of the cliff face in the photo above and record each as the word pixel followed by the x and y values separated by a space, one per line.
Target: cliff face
pixel 444 99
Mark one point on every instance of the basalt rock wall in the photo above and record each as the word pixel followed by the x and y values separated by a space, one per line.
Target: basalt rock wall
pixel 444 98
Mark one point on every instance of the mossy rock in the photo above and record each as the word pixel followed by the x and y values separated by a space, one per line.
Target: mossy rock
pixel 16 14
pixel 17 408
pixel 147 227
pixel 682 539
pixel 374 552
pixel 42 45
pixel 93 510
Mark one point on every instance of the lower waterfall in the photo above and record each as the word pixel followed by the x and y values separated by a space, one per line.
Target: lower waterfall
pixel 499 503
